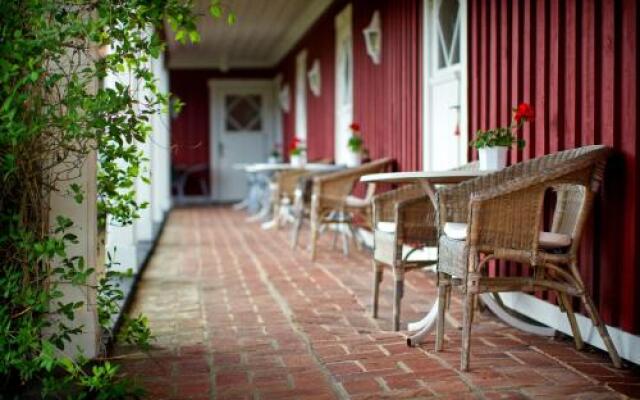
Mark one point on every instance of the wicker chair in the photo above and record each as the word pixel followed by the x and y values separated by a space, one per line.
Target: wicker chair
pixel 402 217
pixel 500 215
pixel 283 190
pixel 331 200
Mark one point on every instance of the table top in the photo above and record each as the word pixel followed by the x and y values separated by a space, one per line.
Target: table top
pixel 434 177
pixel 273 167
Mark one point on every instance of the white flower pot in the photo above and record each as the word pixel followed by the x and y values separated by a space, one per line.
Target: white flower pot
pixel 493 158
pixel 353 159
pixel 273 160
pixel 298 161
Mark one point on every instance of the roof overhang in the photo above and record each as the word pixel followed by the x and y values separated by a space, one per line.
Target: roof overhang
pixel 265 31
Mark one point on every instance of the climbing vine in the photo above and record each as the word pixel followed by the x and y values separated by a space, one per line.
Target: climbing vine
pixel 57 112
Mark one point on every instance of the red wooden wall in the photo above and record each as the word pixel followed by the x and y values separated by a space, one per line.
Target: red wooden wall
pixel 190 129
pixel 387 101
pixel 576 63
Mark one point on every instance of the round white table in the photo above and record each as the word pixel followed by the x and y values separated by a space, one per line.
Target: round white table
pixel 428 180
pixel 259 196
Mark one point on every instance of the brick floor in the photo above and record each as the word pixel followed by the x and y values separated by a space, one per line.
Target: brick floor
pixel 238 315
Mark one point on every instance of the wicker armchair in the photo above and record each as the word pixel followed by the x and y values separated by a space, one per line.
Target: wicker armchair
pixel 283 190
pixel 331 202
pixel 402 217
pixel 500 215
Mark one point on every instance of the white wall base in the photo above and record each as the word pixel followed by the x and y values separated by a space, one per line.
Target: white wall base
pixel 628 345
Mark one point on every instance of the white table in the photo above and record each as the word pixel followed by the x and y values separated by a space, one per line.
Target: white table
pixel 259 191
pixel 428 180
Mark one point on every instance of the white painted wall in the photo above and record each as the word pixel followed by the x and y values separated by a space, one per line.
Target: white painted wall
pixel 85 219
pixel 160 150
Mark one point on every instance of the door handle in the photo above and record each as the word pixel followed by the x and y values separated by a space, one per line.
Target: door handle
pixel 454 107
pixel 220 149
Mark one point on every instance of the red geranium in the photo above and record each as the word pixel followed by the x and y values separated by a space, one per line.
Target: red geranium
pixel 355 127
pixel 294 143
pixel 523 112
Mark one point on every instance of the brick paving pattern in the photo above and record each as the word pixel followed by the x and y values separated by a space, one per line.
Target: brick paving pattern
pixel 238 315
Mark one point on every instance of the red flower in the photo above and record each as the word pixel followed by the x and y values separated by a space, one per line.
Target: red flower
pixel 523 112
pixel 294 143
pixel 355 127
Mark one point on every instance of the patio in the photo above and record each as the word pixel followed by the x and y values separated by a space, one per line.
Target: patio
pixel 238 315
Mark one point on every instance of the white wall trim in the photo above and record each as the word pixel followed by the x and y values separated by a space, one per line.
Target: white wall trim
pixel 301 96
pixel 299 27
pixel 343 110
pixel 628 345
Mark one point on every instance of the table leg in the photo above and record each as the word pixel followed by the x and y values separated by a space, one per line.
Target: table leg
pixel 423 327
pixel 499 311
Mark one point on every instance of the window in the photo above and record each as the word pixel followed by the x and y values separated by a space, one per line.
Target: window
pixel 447 26
pixel 244 113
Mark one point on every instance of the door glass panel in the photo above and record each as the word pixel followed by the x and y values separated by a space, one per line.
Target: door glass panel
pixel 447 25
pixel 243 113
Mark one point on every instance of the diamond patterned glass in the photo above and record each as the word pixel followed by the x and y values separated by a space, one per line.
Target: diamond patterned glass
pixel 244 113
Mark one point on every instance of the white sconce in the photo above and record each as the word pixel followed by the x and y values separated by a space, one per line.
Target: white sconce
pixel 284 98
pixel 314 78
pixel 373 38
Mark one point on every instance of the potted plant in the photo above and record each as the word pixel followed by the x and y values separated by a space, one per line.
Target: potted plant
pixel 274 156
pixel 492 144
pixel 297 153
pixel 355 145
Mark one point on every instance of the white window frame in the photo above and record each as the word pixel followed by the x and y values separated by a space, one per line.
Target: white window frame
pixel 343 27
pixel 301 96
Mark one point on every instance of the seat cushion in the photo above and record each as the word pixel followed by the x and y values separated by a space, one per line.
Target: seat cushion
pixel 387 227
pixel 547 240
pixel 455 230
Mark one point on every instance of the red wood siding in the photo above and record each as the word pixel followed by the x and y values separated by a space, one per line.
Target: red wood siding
pixel 387 97
pixel 190 129
pixel 387 100
pixel 576 63
pixel 319 41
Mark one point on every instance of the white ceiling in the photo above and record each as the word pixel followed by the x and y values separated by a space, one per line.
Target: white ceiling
pixel 264 32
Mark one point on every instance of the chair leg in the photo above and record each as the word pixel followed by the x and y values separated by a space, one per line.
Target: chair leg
pixel 443 289
pixel 397 298
pixel 295 231
pixel 602 329
pixel 377 278
pixel 354 236
pixel 314 236
pixel 466 330
pixel 565 302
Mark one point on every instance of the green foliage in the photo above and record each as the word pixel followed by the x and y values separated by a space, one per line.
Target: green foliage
pixel 355 143
pixel 497 137
pixel 55 110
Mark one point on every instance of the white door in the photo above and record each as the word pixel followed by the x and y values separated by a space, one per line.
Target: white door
pixel 241 129
pixel 344 84
pixel 445 144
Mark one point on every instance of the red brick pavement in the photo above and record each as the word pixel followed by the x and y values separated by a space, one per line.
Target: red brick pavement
pixel 238 315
